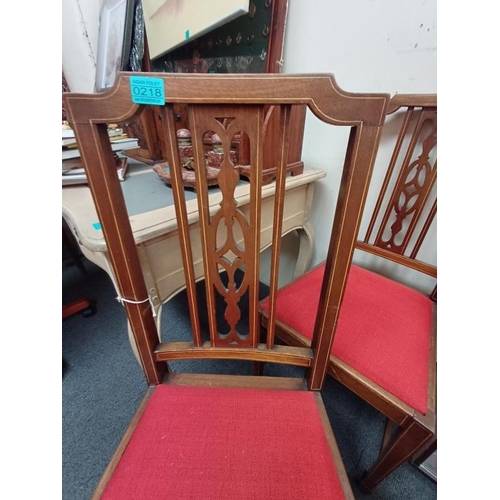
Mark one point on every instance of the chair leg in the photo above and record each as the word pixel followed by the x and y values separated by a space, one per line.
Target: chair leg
pixel 410 439
pixel 420 457
pixel 258 368
pixel 391 428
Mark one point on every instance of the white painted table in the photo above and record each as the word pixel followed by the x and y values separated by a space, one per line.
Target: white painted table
pixel 151 212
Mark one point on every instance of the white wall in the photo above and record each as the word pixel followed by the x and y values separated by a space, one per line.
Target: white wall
pixel 369 45
pixel 80 29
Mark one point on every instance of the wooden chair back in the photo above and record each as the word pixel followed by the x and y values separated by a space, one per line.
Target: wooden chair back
pixel 229 105
pixel 401 217
pixel 385 347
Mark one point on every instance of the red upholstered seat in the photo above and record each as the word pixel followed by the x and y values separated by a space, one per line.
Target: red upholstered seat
pixel 225 443
pixel 383 332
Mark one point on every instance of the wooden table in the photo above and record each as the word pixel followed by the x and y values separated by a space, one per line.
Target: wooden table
pixel 151 212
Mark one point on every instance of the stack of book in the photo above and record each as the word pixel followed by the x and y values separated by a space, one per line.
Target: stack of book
pixel 73 171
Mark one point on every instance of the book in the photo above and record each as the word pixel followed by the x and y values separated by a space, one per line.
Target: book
pixel 71 179
pixel 118 143
pixel 73 171
pixel 69 142
pixel 67 133
pixel 72 164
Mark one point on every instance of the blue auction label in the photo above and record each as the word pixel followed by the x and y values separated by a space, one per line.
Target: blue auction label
pixel 147 90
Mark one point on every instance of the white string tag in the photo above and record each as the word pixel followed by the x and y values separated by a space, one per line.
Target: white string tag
pixel 122 300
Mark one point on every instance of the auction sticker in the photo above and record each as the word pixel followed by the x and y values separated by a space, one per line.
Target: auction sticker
pixel 147 90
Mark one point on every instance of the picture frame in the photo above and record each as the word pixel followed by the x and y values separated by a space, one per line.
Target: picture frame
pixel 172 23
pixel 114 41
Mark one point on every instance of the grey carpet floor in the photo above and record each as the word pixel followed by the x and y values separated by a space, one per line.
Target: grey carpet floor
pixel 103 385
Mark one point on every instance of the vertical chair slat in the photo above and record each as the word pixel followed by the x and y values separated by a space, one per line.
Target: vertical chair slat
pixel 194 113
pixel 395 154
pixel 257 162
pixel 167 114
pixel 278 217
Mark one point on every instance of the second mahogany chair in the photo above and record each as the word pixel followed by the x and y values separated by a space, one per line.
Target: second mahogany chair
pixel 385 346
pixel 208 436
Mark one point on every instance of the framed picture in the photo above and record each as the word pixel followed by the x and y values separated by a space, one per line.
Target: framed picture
pixel 171 23
pixel 114 42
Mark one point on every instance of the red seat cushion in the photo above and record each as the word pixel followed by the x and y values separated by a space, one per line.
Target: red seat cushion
pixel 225 443
pixel 383 332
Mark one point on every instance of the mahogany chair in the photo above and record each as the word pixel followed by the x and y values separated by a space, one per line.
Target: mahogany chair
pixel 212 436
pixel 385 345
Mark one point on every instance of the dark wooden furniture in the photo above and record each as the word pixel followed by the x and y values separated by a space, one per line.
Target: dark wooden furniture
pixel 228 436
pixel 385 345
pixel 258 36
pixel 85 306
